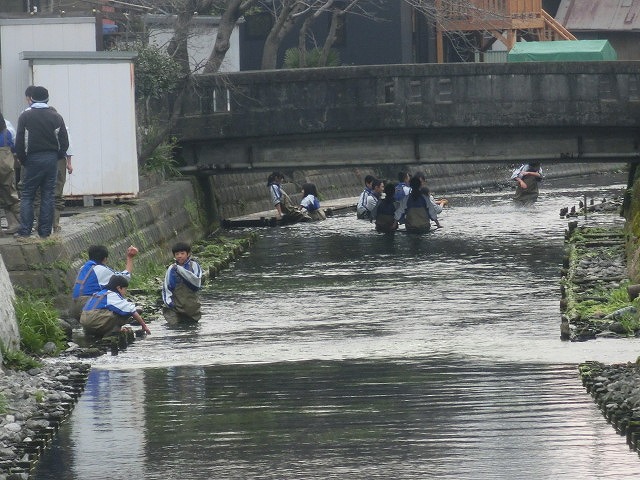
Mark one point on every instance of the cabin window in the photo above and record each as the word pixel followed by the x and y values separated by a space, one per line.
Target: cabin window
pixel 389 93
pixel 415 91
pixel 221 100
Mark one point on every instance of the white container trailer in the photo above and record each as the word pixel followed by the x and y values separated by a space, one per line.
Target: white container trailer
pixel 95 94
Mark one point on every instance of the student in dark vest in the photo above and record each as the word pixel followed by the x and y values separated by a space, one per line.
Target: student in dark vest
pixel 417 213
pixel 384 214
pixel 180 289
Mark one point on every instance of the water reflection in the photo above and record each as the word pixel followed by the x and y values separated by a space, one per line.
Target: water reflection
pixel 332 351
pixel 442 417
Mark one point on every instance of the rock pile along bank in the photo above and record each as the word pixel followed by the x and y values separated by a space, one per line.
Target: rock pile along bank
pixel 34 404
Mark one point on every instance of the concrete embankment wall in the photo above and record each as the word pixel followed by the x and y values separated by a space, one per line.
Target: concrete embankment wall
pixel 245 193
pixel 9 335
pixel 163 214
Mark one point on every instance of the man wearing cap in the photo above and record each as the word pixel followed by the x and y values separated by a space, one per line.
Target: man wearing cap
pixel 41 139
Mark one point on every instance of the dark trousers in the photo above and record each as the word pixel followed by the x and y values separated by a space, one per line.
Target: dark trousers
pixel 38 174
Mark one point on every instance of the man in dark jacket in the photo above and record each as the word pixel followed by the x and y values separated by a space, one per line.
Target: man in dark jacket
pixel 41 139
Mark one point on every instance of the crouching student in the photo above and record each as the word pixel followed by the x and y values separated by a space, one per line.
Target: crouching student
pixel 94 276
pixel 310 203
pixel 384 214
pixel 285 208
pixel 180 289
pixel 107 311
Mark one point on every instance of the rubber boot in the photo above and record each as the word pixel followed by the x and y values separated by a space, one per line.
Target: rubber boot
pixel 56 221
pixel 13 225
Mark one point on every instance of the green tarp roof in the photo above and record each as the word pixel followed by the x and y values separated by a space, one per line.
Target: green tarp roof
pixel 562 51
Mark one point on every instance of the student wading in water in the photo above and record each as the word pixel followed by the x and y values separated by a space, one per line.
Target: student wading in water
pixel 94 276
pixel 107 311
pixel 285 209
pixel 420 210
pixel 180 289
pixel 310 202
pixel 527 178
pixel 384 213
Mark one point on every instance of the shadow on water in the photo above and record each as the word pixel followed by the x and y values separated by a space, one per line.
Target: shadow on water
pixel 332 351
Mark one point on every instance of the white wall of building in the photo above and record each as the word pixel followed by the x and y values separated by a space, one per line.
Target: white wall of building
pixel 52 34
pixel 202 37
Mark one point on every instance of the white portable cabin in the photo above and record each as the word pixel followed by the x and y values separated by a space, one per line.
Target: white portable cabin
pixel 93 91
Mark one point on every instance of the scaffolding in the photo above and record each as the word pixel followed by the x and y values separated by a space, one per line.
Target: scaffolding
pixel 503 20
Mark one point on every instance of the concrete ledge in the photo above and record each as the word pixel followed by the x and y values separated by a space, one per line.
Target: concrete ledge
pixel 151 222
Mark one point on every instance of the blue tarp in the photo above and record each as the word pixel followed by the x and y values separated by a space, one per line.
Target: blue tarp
pixel 108 28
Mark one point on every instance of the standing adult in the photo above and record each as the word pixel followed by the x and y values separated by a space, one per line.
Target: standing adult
pixel 64 167
pixel 9 201
pixel 41 139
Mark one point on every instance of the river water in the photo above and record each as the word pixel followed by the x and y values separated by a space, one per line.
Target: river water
pixel 330 351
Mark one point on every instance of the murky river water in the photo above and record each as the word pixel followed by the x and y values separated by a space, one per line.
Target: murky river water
pixel 331 351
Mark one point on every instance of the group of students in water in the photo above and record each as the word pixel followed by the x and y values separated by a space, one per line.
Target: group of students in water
pixel 387 204
pixel 407 202
pixel 99 296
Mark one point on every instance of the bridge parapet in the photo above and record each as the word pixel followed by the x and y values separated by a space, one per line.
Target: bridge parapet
pixel 414 113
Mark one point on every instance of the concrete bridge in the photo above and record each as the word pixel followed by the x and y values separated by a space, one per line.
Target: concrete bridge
pixel 413 114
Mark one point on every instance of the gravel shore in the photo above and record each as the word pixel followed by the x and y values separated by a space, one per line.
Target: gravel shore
pixel 33 404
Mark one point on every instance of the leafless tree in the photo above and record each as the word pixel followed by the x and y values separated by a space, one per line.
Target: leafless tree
pixel 288 14
pixel 234 9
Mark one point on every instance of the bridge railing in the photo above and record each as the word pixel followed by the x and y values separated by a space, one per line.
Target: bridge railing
pixel 397 113
pixel 413 96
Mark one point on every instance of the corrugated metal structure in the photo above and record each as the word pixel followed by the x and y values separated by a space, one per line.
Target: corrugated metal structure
pixel 615 20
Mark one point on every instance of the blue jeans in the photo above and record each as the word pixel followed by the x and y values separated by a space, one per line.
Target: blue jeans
pixel 41 171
